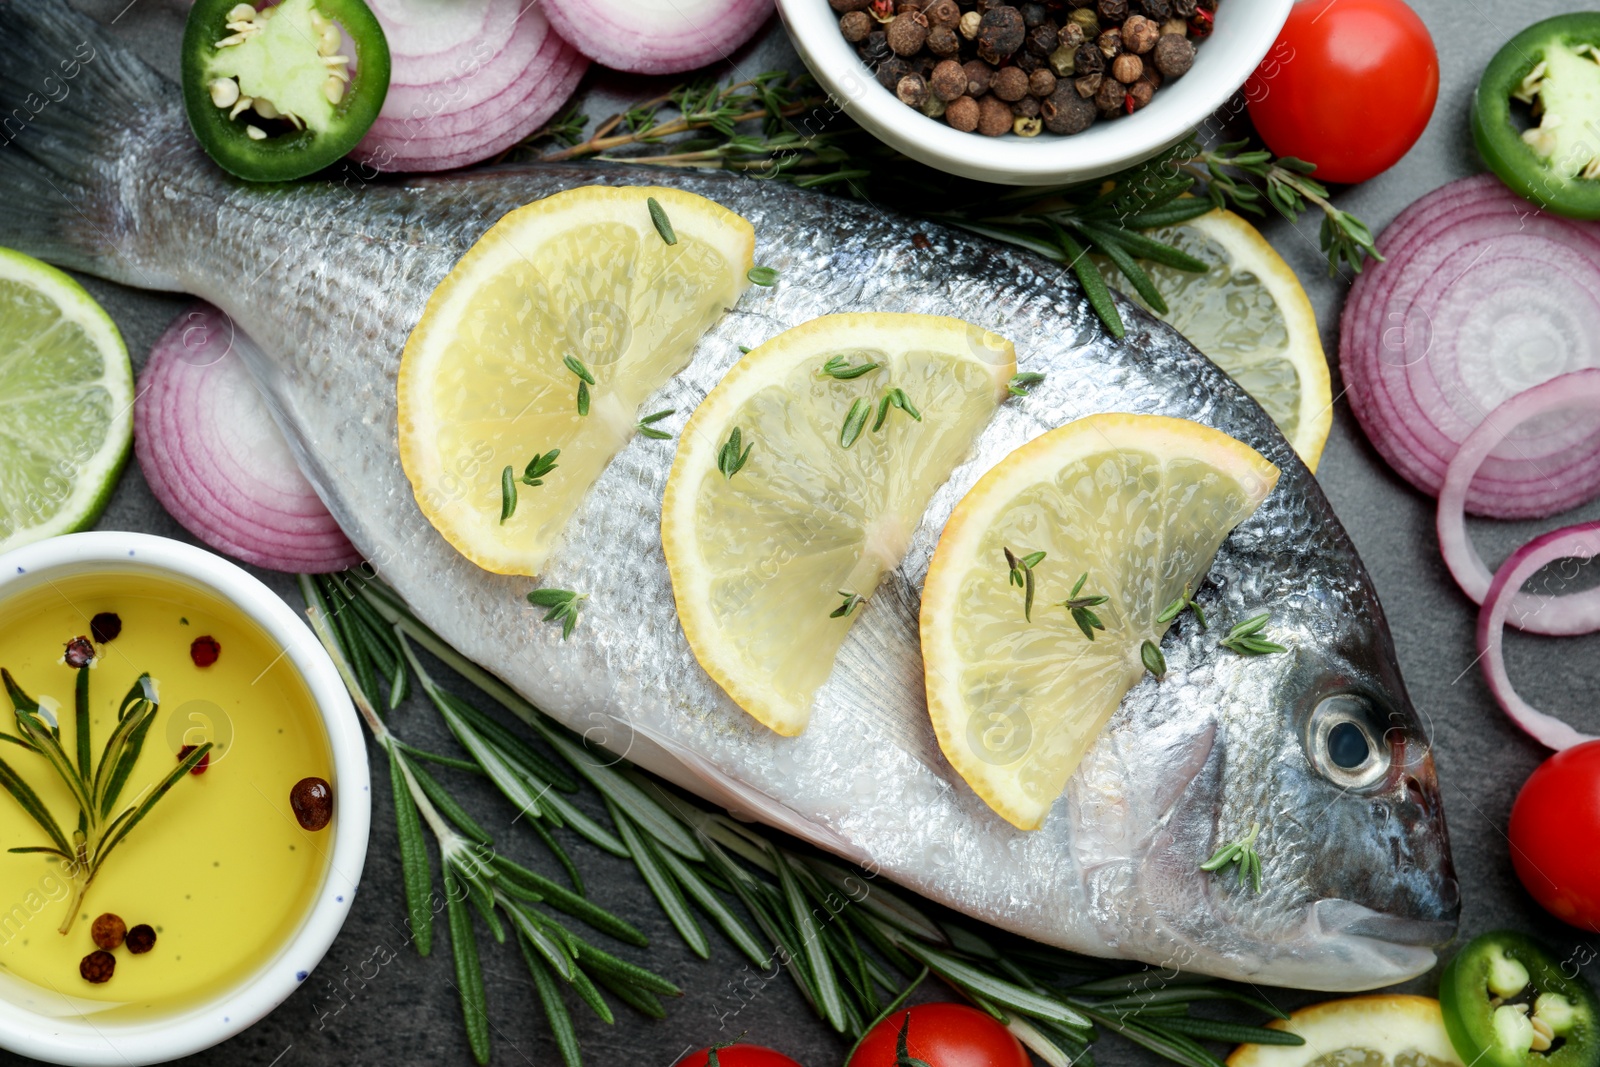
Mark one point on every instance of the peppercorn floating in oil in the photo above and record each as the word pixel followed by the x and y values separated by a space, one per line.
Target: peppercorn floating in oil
pixel 109 931
pixel 996 68
pixel 312 801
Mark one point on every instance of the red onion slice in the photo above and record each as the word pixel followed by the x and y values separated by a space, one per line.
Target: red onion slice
pixel 218 463
pixel 657 36
pixel 1580 542
pixel 1480 298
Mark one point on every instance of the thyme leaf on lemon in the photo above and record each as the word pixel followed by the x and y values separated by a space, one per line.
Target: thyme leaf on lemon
pixel 894 398
pixel 1022 384
pixel 93 787
pixel 730 460
pixel 1081 607
pixel 855 421
pixel 647 428
pixel 1154 662
pixel 539 466
pixel 1243 854
pixel 563 605
pixel 1246 639
pixel 585 379
pixel 851 602
pixel 1021 576
pixel 841 369
pixel 763 276
pixel 508 493
pixel 1179 606
pixel 658 215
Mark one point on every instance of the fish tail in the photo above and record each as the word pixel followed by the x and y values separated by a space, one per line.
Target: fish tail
pixel 72 104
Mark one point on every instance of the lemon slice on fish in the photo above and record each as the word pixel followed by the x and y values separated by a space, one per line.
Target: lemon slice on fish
pixel 1384 1030
pixel 66 403
pixel 1127 511
pixel 549 334
pixel 1249 314
pixel 799 481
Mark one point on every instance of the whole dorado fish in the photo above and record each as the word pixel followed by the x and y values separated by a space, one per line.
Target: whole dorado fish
pixel 101 174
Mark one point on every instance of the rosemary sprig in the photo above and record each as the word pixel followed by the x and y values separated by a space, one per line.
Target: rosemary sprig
pixel 748 127
pixel 647 425
pixel 1246 639
pixel 778 904
pixel 95 787
pixel 1243 854
pixel 563 605
pixel 851 602
pixel 730 460
pixel 1021 576
pixel 841 369
pixel 1081 607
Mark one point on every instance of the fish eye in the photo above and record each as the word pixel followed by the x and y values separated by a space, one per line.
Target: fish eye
pixel 1344 745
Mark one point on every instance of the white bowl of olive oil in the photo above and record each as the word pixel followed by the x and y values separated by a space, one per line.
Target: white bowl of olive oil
pixel 228 894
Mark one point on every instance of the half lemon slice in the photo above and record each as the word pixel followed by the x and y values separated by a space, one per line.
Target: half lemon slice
pixel 1383 1030
pixel 799 481
pixel 1106 521
pixel 1251 317
pixel 549 334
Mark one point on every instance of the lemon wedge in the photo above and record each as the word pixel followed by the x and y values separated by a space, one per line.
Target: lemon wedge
pixel 1251 316
pixel 549 334
pixel 1128 511
pixel 1384 1030
pixel 798 483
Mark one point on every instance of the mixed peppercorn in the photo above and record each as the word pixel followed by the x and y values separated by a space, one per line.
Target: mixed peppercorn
pixel 110 933
pixel 995 68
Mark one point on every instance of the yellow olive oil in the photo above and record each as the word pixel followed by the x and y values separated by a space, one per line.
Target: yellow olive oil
pixel 219 868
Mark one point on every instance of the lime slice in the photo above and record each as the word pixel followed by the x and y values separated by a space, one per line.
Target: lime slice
pixel 1250 315
pixel 66 403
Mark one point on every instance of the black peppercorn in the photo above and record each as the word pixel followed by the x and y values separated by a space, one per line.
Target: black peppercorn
pixel 1027 62
pixel 1026 108
pixel 80 653
pixel 1066 112
pixel 943 41
pixel 1089 60
pixel 1158 10
pixel 105 626
pixel 1110 97
pixel 1112 10
pixel 999 35
pixel 1174 55
pixel 141 939
pixel 1183 9
pixel 98 966
pixel 841 7
pixel 1141 92
pixel 1044 38
pixel 1033 14
pixel 912 90
pixel 312 801
pixel 875 47
pixel 891 70
pixel 1041 83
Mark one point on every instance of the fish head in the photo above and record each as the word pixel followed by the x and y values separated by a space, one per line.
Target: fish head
pixel 1321 747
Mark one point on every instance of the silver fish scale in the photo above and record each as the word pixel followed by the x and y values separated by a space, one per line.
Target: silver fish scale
pixel 328 281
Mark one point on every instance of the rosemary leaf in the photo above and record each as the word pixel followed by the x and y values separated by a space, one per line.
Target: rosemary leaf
pixel 1153 660
pixel 527 927
pixel 640 1000
pixel 173 777
pixel 730 924
pixel 841 369
pixel 600 961
pixel 555 1009
pixel 1230 1033
pixel 539 466
pixel 1022 384
pixel 80 701
pixel 508 494
pixel 666 891
pixel 764 276
pixel 855 421
pixel 1094 286
pixel 647 428
pixel 448 806
pixel 730 460
pixel 564 899
pixel 469 973
pixel 827 985
pixel 415 870
pixel 30 803
pixel 1007 994
pixel 1107 242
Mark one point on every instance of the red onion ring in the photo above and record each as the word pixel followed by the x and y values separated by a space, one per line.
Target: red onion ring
pixel 1573 542
pixel 218 463
pixel 657 36
pixel 1576 613
pixel 1465 265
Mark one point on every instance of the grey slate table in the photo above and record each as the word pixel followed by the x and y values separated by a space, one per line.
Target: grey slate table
pixel 353 1011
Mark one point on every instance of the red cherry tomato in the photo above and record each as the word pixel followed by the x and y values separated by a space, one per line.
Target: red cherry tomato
pixel 1554 826
pixel 739 1056
pixel 942 1035
pixel 1349 86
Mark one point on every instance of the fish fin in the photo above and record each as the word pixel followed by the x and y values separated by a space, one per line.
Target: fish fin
pixel 69 96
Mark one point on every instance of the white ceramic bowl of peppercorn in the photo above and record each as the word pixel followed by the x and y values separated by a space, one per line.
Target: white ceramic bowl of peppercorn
pixel 1211 52
pixel 278 693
